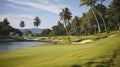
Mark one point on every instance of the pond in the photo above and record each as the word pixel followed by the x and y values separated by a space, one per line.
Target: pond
pixel 6 46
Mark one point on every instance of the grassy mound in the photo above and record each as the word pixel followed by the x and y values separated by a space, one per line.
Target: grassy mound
pixel 103 52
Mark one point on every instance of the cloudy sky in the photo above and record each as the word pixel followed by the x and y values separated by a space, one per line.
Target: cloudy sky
pixel 47 10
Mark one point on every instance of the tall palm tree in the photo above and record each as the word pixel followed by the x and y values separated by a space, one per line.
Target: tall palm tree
pixel 37 21
pixel 22 24
pixel 66 16
pixel 101 10
pixel 91 3
pixel 76 24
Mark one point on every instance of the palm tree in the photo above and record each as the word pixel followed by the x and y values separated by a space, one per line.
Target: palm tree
pixel 76 24
pixel 22 24
pixel 66 16
pixel 37 21
pixel 91 3
pixel 101 10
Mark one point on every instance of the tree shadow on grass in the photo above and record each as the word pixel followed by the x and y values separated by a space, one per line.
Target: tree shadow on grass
pixel 75 65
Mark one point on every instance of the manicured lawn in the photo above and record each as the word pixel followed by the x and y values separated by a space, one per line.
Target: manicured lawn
pixel 102 52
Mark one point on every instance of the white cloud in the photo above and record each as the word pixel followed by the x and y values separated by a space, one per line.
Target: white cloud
pixel 18 7
pixel 40 4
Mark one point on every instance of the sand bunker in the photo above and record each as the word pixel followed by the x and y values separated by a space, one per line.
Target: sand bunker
pixel 83 42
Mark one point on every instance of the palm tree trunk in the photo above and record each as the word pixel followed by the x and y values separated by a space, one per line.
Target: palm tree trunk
pixel 104 24
pixel 67 32
pixel 76 33
pixel 23 31
pixel 103 21
pixel 98 25
pixel 85 33
pixel 94 29
pixel 118 25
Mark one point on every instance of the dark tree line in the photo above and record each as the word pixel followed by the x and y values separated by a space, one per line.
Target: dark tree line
pixel 6 29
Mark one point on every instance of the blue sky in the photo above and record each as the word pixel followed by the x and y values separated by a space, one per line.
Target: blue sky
pixel 47 10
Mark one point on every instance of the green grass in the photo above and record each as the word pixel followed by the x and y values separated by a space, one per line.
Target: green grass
pixel 103 52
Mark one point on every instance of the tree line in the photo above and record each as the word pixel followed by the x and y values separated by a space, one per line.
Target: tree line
pixel 98 19
pixel 6 30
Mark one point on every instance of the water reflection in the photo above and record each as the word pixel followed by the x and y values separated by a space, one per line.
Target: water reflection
pixel 5 46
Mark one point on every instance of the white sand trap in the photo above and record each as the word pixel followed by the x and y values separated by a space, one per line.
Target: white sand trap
pixel 31 39
pixel 112 36
pixel 82 42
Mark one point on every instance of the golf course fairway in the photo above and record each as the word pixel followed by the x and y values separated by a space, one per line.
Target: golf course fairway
pixel 104 52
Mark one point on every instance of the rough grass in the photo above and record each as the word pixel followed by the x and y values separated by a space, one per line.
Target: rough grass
pixel 103 52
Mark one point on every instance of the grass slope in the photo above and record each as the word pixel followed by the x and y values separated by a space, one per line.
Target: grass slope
pixel 103 52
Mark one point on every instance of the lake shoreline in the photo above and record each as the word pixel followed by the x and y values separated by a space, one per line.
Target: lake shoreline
pixel 26 40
